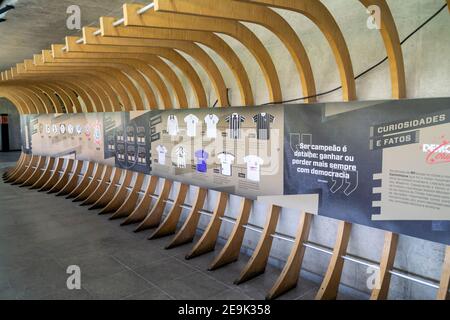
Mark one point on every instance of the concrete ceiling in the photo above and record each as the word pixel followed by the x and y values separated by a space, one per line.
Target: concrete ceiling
pixel 36 24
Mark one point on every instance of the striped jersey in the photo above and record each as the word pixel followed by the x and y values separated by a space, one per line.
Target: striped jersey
pixel 234 125
pixel 263 121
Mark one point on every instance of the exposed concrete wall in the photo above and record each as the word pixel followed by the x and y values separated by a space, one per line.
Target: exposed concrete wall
pixel 6 107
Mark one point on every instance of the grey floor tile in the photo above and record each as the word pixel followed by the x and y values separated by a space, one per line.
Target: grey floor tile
pixel 196 286
pixel 116 286
pixel 165 270
pixel 150 294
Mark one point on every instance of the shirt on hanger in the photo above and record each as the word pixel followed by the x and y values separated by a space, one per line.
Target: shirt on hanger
pixel 181 157
pixel 172 125
pixel 162 151
pixel 234 125
pixel 253 167
pixel 202 156
pixel 226 162
pixel 211 121
pixel 191 123
pixel 263 121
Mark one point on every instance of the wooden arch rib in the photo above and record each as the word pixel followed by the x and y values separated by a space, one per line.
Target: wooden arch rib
pixel 140 66
pixel 92 97
pixel 66 99
pixel 189 48
pixel 34 104
pixel 21 99
pixel 125 67
pixel 97 97
pixel 47 58
pixel 248 12
pixel 208 39
pixel 45 103
pixel 127 70
pixel 76 105
pixel 231 28
pixel 84 88
pixel 150 55
pixel 42 104
pixel 322 18
pixel 20 105
pixel 122 97
pixel 394 52
pixel 121 85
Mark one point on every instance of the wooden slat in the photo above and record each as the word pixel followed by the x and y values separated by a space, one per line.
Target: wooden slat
pixel 330 285
pixel 36 173
pixel 169 225
pixel 129 203
pixel 289 276
pixel 73 181
pixel 386 264
pixel 187 232
pixel 141 210
pixel 230 252
pixel 121 194
pixel 208 240
pixel 445 277
pixel 64 178
pixel 84 181
pixel 97 186
pixel 154 217
pixel 258 261
pixel 110 191
pixel 54 177
pixel 46 174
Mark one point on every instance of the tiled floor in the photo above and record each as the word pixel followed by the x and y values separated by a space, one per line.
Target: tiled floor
pixel 41 235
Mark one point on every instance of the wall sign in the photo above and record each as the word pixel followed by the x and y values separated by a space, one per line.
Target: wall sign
pixel 384 164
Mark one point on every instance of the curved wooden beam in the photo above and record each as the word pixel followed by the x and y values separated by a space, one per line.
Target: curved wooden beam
pixel 129 203
pixel 64 178
pixel 445 277
pixel 169 225
pixel 189 48
pixel 47 174
pixel 230 9
pixel 330 284
pixel 98 188
pixel 391 40
pixel 55 175
pixel 210 40
pixel 230 252
pixel 231 28
pixel 207 241
pixel 148 54
pixel 83 183
pixel 186 233
pixel 73 180
pixel 386 264
pixel 153 218
pixel 258 261
pixel 31 179
pixel 120 195
pixel 28 171
pixel 143 207
pixel 322 18
pixel 110 191
pixel 290 274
